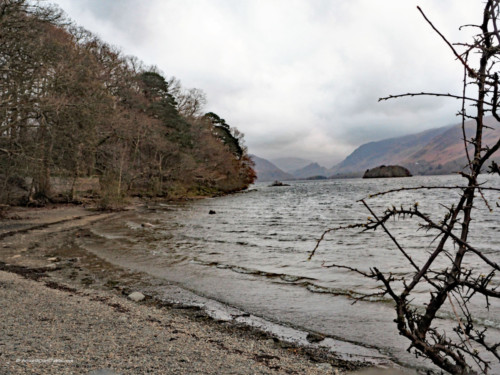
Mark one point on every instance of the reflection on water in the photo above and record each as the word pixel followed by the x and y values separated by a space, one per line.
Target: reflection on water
pixel 253 253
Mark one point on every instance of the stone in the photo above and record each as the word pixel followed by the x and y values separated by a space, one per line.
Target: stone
pixel 211 212
pixel 325 367
pixel 136 296
pixel 314 337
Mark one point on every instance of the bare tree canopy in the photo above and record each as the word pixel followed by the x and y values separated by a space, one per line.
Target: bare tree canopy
pixel 72 106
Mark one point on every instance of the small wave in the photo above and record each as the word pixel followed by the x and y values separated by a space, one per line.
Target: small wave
pixel 244 270
pixel 314 288
pixel 301 281
pixel 250 271
pixel 485 322
pixel 290 278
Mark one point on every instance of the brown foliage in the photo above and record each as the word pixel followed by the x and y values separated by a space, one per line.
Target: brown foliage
pixel 73 106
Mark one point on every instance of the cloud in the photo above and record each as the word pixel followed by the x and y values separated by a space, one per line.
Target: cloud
pixel 299 78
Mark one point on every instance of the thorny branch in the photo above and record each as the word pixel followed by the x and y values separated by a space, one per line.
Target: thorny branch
pixel 412 94
pixel 468 348
pixel 471 71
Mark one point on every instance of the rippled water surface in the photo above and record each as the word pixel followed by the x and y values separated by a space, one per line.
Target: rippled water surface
pixel 253 252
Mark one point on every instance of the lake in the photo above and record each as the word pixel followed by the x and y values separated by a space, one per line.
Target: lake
pixel 252 254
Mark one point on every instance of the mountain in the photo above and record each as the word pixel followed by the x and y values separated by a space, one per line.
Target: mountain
pixel 312 170
pixel 385 152
pixel 445 152
pixel 290 165
pixel 267 171
pixel 434 151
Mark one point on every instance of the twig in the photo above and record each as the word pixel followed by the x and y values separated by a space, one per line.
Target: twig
pixel 458 318
pixel 463 111
pixel 391 237
pixel 428 188
pixel 412 94
pixel 318 242
pixel 471 71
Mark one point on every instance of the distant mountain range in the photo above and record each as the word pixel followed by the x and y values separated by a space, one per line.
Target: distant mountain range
pixel 311 170
pixel 385 152
pixel 434 151
pixel 290 165
pixel 267 171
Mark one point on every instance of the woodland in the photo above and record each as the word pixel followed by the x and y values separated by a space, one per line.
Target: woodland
pixel 75 111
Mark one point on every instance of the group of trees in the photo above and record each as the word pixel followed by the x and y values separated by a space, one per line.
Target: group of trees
pixel 72 106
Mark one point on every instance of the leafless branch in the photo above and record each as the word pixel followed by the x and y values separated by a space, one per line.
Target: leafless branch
pixel 413 94
pixel 471 71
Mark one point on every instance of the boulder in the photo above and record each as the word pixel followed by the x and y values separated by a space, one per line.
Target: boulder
pixel 136 296
pixel 387 171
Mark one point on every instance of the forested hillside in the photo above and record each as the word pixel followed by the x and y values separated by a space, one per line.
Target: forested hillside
pixel 73 109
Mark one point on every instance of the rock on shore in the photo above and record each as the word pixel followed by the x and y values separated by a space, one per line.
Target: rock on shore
pixel 136 296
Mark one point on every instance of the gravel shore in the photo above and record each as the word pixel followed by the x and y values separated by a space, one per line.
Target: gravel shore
pixel 64 311
pixel 51 331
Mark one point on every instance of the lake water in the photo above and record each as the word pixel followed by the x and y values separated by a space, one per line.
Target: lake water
pixel 253 253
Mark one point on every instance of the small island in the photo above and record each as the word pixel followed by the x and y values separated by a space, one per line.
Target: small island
pixel 278 183
pixel 387 172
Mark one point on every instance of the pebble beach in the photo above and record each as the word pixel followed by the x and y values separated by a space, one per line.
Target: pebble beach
pixel 66 312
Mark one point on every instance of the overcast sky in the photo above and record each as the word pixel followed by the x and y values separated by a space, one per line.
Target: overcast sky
pixel 300 78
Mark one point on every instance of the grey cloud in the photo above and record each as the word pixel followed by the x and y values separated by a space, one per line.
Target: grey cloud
pixel 299 78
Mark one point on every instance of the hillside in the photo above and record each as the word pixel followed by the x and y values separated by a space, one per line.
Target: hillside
pixel 445 152
pixel 387 151
pixel 313 169
pixel 290 164
pixel 267 171
pixel 435 151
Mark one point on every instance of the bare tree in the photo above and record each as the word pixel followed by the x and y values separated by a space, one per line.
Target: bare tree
pixel 468 348
pixel 23 71
pixel 190 102
pixel 73 106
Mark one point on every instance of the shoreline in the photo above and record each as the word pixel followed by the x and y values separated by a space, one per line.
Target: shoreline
pixel 38 249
